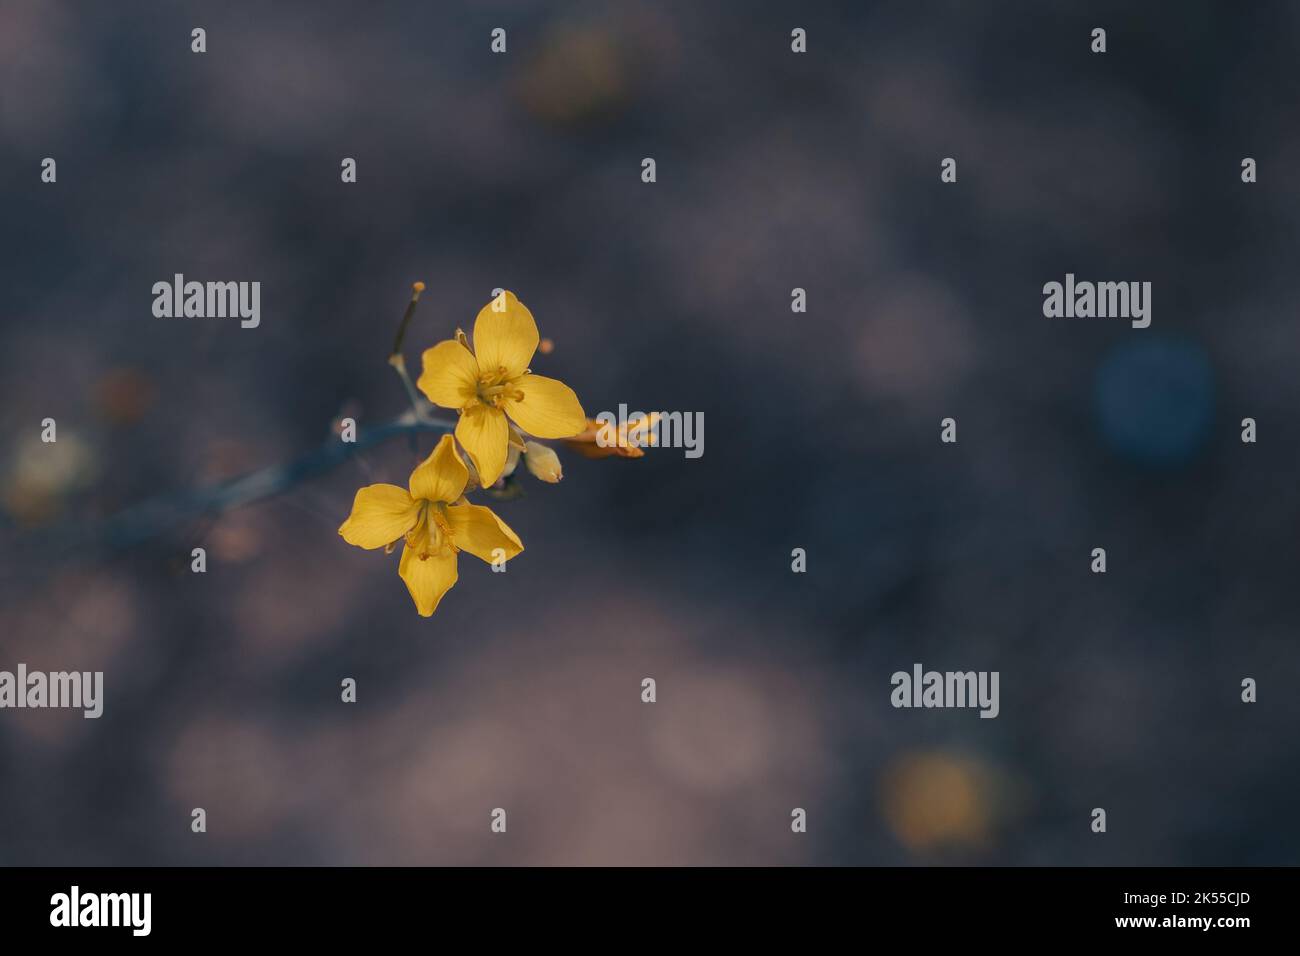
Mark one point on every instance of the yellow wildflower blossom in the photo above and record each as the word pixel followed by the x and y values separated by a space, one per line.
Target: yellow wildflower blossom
pixel 602 439
pixel 436 522
pixel 494 381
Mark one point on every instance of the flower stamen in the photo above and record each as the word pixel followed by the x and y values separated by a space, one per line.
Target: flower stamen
pixel 439 517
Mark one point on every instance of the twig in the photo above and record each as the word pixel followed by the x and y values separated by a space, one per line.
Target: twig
pixel 398 361
pixel 417 288
pixel 156 516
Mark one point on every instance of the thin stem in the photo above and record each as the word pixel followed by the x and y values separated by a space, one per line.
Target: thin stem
pixel 156 516
pixel 399 363
pixel 416 289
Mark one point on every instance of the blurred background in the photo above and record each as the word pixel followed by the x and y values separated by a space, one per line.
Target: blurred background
pixel 775 171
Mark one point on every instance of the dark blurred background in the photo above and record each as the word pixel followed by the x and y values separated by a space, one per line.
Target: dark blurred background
pixel 775 171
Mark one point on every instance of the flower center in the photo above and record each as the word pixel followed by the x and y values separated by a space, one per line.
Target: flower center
pixel 431 535
pixel 494 388
pixel 438 515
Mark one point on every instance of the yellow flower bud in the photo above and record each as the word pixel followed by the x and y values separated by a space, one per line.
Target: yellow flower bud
pixel 543 462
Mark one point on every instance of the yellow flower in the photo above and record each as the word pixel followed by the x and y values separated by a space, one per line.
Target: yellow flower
pixel 601 439
pixel 436 522
pixel 494 381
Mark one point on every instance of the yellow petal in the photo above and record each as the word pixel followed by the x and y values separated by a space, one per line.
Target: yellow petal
pixel 442 476
pixel 449 376
pixel 483 433
pixel 479 531
pixel 427 580
pixel 504 340
pixel 380 515
pixel 549 409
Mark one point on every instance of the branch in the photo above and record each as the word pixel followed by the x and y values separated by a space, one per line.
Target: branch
pixel 155 516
